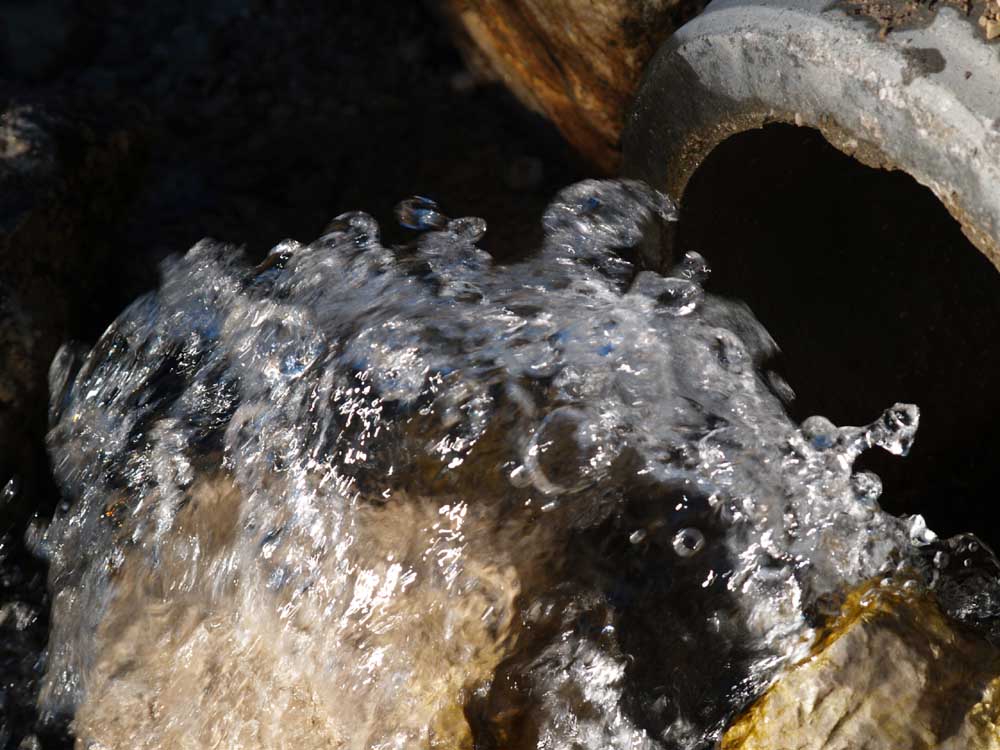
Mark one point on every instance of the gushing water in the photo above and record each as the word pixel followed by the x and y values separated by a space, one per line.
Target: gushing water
pixel 366 497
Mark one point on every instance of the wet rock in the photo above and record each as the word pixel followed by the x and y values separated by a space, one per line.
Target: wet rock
pixel 893 673
pixel 577 62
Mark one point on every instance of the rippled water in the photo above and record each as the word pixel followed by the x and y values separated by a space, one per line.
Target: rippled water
pixel 372 497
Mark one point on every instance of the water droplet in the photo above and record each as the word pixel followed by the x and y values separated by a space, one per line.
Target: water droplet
pixel 420 213
pixel 867 487
pixel 637 536
pixel 468 228
pixel 688 542
pixel 286 248
pixel 607 213
pixel 920 535
pixel 19 615
pixel 35 539
pixel 731 352
pixel 820 432
pixel 356 226
pixel 279 255
pixel 10 490
pixel 781 388
pixel 677 297
pixel 693 267
pixel 62 371
pixel 896 429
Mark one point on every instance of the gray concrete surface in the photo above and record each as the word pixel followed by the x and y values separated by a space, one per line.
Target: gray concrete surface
pixel 924 99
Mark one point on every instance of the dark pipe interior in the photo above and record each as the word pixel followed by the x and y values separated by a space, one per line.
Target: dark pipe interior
pixel 874 295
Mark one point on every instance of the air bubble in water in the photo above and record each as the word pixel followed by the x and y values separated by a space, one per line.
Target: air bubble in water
pixel 693 267
pixel 420 213
pixel 867 487
pixel 732 354
pixel 468 228
pixel 820 432
pixel 673 296
pixel 688 542
pixel 567 453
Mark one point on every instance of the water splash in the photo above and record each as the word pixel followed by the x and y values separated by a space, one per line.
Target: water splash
pixel 387 497
pixel 420 213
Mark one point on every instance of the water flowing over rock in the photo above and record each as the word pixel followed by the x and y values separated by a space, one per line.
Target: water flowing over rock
pixel 891 673
pixel 372 497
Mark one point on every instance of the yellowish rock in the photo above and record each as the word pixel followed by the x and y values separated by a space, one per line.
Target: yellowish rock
pixel 990 19
pixel 183 665
pixel 892 673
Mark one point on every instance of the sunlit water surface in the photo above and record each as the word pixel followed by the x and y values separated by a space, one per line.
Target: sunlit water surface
pixel 371 497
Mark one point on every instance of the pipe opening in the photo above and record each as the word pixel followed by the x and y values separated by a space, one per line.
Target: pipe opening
pixel 874 295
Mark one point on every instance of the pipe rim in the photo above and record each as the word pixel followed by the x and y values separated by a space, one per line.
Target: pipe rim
pixel 924 100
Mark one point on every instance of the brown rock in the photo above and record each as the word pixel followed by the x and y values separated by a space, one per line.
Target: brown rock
pixel 578 62
pixel 191 665
pixel 892 674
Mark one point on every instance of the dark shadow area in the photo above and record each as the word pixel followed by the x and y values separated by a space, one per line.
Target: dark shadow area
pixel 252 121
pixel 874 296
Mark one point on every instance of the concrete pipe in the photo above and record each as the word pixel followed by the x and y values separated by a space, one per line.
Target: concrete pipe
pixel 924 98
pixel 839 166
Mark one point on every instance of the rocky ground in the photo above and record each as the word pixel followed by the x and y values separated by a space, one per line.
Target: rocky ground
pixel 127 133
